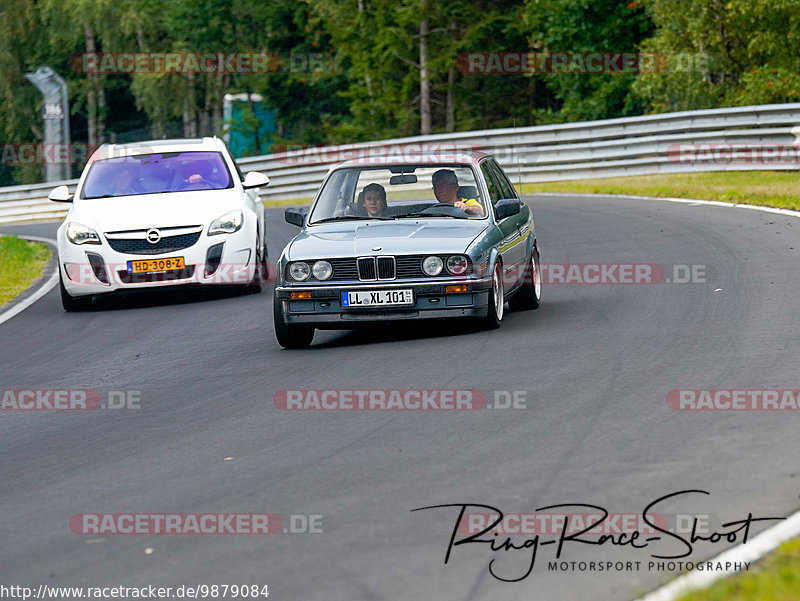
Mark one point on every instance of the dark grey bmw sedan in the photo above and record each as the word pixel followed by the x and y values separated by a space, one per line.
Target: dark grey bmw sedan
pixel 407 238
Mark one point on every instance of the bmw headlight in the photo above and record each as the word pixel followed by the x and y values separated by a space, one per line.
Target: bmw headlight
pixel 322 270
pixel 77 233
pixel 299 271
pixel 432 265
pixel 227 224
pixel 457 264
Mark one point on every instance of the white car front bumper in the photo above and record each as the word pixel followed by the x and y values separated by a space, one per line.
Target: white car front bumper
pixel 98 268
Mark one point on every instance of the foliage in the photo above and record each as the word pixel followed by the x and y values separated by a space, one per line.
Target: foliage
pixel 360 70
pixel 736 47
pixel 21 262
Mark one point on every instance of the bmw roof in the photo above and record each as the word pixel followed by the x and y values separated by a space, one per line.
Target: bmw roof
pixel 413 155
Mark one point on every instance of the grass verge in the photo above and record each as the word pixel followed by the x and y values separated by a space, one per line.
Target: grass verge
pixel 779 189
pixel 21 262
pixel 292 202
pixel 774 578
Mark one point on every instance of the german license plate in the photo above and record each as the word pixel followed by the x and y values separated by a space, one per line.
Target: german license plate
pixel 156 265
pixel 377 298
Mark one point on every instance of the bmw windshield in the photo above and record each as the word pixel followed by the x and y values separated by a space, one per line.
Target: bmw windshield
pixel 398 192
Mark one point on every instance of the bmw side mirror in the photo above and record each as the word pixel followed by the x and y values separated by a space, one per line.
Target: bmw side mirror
pixel 60 194
pixel 255 179
pixel 296 216
pixel 506 208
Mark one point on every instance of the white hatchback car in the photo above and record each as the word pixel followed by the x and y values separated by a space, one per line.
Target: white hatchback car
pixel 160 213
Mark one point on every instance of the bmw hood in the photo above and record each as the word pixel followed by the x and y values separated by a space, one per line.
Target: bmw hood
pixel 172 209
pixel 354 239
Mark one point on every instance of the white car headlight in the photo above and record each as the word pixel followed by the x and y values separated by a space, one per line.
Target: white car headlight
pixel 432 265
pixel 299 271
pixel 322 270
pixel 227 224
pixel 457 264
pixel 77 233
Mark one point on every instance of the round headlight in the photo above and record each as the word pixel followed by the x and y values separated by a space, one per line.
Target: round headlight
pixel 432 265
pixel 299 271
pixel 457 264
pixel 322 270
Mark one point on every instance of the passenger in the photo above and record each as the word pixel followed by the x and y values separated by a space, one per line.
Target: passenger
pixel 445 188
pixel 123 182
pixel 375 200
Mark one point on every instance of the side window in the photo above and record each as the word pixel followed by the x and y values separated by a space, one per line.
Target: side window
pixel 506 189
pixel 494 192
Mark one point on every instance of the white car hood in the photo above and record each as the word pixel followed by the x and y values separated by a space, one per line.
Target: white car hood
pixel 171 209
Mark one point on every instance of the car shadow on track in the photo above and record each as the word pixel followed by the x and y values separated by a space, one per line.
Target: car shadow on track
pixel 398 332
pixel 141 299
pixel 380 334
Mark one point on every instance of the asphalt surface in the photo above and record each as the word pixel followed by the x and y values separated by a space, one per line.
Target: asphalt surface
pixel 596 363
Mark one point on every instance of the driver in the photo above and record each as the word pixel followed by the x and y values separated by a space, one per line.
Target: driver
pixel 445 188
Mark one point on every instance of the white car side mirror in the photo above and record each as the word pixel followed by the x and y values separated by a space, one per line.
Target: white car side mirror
pixel 60 194
pixel 255 179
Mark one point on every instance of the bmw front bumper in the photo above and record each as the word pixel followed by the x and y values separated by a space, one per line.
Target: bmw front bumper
pixel 324 308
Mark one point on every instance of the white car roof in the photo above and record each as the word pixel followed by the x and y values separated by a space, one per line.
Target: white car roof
pixel 107 151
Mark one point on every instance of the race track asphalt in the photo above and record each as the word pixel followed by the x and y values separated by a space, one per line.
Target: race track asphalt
pixel 596 363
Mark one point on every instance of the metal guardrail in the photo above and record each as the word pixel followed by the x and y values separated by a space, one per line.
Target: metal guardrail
pixel 609 148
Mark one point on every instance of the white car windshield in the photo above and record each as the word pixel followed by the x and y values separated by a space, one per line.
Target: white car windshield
pixel 156 173
pixel 398 192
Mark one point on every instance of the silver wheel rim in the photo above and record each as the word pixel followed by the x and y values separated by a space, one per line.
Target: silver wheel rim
pixel 497 293
pixel 537 281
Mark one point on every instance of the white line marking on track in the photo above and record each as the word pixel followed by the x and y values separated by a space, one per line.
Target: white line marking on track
pixel 43 289
pixel 755 549
pixel 689 201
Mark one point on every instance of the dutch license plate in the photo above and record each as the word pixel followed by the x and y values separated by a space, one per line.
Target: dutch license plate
pixel 155 265
pixel 377 298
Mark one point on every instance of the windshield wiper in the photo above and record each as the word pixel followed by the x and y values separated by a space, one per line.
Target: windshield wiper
pixel 350 218
pixel 430 215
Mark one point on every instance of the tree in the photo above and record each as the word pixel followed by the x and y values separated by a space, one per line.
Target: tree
pixel 573 27
pixel 78 25
pixel 722 53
